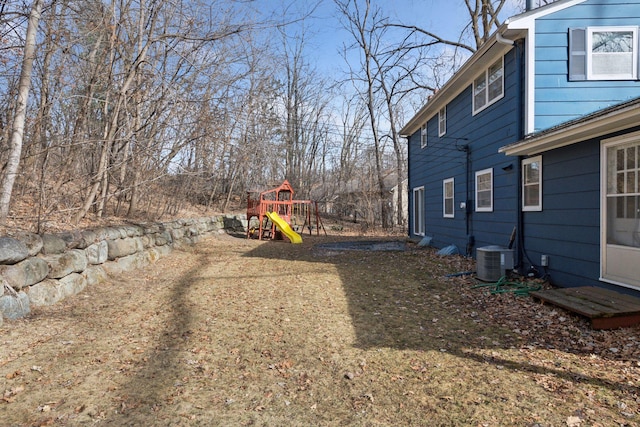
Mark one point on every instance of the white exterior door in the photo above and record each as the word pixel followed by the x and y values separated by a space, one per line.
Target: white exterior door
pixel 620 242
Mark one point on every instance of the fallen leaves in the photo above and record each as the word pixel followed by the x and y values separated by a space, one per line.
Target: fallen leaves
pixel 247 332
pixel 12 375
pixel 9 395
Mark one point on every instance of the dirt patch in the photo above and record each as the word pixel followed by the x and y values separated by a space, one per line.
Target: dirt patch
pixel 242 332
pixel 362 245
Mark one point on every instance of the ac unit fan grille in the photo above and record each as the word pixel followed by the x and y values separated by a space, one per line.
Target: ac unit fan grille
pixel 489 266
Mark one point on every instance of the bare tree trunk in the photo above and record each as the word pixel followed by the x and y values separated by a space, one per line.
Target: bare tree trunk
pixel 395 137
pixel 17 134
pixel 102 173
pixel 363 36
pixel 38 137
pixel 135 192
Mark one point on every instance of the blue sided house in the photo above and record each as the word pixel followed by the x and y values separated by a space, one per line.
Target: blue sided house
pixel 534 144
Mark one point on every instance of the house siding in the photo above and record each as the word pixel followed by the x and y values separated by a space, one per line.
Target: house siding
pixel 568 227
pixel 445 157
pixel 557 99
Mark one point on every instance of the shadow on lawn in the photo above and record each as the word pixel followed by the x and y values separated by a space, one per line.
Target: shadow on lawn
pixel 390 306
pixel 402 301
pixel 149 387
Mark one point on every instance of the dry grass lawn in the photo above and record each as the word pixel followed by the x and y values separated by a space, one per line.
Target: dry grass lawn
pixel 238 332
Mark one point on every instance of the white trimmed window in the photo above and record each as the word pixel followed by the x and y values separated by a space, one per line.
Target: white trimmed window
pixel 532 184
pixel 484 190
pixel 442 121
pixel 489 86
pixel 423 136
pixel 603 53
pixel 448 198
pixel 418 211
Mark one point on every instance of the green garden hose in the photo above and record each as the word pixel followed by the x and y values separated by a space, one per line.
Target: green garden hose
pixel 503 286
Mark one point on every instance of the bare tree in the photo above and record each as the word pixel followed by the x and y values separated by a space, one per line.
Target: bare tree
pixel 484 19
pixel 305 100
pixel 382 72
pixel 19 118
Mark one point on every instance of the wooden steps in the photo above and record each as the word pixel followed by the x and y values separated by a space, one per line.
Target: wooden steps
pixel 607 309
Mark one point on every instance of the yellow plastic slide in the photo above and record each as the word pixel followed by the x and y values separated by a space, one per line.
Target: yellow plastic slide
pixel 284 227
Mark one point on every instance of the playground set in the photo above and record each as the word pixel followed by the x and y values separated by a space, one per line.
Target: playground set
pixel 278 214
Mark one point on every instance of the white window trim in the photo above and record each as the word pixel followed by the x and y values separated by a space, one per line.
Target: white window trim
pixel 525 162
pixel 488 102
pixel 589 52
pixel 418 220
pixel 442 121
pixel 484 208
pixel 423 135
pixel 444 198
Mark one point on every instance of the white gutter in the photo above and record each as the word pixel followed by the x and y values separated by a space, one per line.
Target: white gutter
pixel 500 39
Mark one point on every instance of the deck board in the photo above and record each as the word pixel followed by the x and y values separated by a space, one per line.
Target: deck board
pixel 605 308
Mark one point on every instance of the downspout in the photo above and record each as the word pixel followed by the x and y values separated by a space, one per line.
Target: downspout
pixel 471 240
pixel 529 5
pixel 520 252
pixel 409 192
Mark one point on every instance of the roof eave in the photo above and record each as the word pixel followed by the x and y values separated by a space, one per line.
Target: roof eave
pixel 579 131
pixel 513 28
pixel 459 81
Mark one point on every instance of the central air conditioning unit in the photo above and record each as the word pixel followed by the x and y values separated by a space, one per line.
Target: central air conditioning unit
pixel 492 262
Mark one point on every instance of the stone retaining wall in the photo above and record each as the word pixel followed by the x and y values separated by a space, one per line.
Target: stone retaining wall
pixel 37 270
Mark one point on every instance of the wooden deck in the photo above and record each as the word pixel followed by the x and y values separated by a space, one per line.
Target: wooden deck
pixel 607 309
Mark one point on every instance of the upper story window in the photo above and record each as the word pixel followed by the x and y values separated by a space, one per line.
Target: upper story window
pixel 532 184
pixel 603 53
pixel 489 86
pixel 423 136
pixel 484 190
pixel 442 121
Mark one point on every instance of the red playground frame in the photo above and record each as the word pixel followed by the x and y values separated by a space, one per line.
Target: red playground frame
pixel 280 200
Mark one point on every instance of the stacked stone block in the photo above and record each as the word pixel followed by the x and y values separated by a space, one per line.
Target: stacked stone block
pixel 37 270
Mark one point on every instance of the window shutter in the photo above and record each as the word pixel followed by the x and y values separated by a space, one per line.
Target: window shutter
pixel 577 54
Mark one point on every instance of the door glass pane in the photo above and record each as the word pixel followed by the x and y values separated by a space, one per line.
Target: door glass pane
pixel 631 157
pixel 623 188
pixel 619 207
pixel 631 207
pixel 631 182
pixel 623 221
pixel 620 160
pixel 620 183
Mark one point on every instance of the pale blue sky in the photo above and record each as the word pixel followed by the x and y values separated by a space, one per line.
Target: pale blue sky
pixel 325 35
